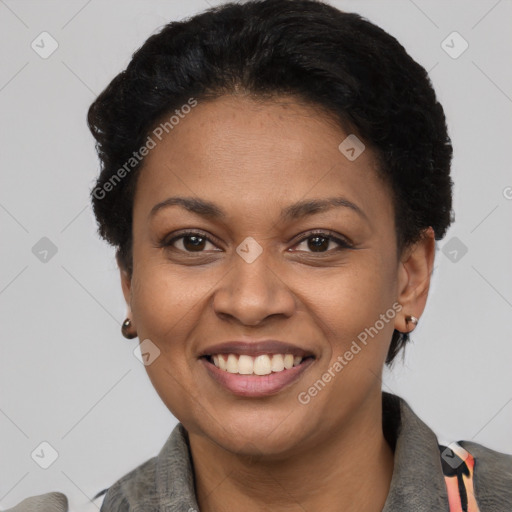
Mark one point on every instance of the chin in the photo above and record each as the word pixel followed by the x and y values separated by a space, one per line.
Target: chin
pixel 251 436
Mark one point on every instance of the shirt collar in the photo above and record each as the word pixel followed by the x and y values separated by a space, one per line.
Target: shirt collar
pixel 417 481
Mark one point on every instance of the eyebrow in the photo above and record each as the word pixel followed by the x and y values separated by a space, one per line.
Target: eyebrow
pixel 292 212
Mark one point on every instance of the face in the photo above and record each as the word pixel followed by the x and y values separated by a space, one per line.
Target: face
pixel 276 263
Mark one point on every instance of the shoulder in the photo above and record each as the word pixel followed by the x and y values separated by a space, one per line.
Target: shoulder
pixel 54 501
pixel 492 477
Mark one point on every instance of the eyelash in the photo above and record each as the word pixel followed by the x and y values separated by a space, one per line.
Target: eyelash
pixel 342 242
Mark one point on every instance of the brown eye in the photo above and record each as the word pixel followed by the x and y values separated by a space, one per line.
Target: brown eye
pixel 190 242
pixel 320 242
pixel 193 243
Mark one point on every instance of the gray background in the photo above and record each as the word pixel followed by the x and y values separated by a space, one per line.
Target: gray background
pixel 68 377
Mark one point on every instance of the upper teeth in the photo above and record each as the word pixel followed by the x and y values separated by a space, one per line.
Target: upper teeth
pixel 259 365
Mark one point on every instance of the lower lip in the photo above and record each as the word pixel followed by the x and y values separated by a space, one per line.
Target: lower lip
pixel 256 385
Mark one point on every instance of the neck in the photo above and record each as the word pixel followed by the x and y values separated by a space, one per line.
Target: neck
pixel 350 470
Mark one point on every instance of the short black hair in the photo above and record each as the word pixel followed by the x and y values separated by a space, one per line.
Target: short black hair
pixel 335 60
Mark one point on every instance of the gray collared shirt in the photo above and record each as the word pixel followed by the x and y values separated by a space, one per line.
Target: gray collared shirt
pixel 165 483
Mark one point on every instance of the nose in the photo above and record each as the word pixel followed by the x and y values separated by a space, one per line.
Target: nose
pixel 253 290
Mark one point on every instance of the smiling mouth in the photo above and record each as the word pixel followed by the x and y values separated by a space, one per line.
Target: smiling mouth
pixel 264 364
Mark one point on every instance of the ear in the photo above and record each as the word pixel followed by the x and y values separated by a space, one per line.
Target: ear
pixel 126 282
pixel 415 269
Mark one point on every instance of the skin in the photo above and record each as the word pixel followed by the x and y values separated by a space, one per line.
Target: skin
pixel 253 159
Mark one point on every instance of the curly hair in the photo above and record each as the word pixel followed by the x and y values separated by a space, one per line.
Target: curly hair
pixel 335 60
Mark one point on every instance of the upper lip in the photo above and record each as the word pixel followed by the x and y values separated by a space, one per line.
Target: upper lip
pixel 255 348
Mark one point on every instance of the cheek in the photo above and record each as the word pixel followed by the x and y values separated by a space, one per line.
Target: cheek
pixel 166 302
pixel 358 308
pixel 165 307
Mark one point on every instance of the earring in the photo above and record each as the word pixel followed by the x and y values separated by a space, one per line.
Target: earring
pixel 412 319
pixel 124 329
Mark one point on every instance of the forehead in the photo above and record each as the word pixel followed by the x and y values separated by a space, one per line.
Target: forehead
pixel 252 154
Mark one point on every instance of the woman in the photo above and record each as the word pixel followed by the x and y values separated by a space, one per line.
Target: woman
pixel 274 178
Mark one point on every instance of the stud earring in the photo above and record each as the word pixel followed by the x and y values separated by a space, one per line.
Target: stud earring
pixel 124 329
pixel 412 320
